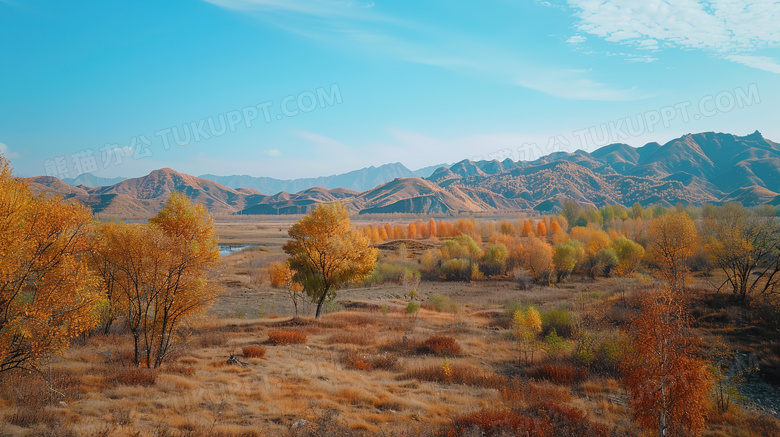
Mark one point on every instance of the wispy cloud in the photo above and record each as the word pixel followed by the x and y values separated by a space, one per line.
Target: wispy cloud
pixel 6 152
pixel 729 29
pixel 360 27
pixel 761 62
pixel 272 152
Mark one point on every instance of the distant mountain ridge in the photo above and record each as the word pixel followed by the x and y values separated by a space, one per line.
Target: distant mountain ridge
pixel 693 169
pixel 359 180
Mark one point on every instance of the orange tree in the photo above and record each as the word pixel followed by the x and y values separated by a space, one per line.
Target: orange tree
pixel 47 291
pixel 326 254
pixel 667 382
pixel 158 273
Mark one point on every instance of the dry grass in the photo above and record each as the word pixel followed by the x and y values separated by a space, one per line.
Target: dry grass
pixel 362 371
pixel 281 337
pixel 447 373
pixel 253 351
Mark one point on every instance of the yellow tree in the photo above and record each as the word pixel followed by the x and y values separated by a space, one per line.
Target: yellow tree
pixel 672 240
pixel 47 291
pixel 526 326
pixel 326 254
pixel 159 273
pixel 667 381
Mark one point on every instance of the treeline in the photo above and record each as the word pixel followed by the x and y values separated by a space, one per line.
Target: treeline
pixel 612 241
pixel 63 274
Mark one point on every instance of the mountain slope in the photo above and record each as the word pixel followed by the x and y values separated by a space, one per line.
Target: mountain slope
pixel 694 169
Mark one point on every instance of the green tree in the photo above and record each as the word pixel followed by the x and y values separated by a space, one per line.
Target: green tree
pixel 326 254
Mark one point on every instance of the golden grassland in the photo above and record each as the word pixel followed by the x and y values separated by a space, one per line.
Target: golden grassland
pixel 247 368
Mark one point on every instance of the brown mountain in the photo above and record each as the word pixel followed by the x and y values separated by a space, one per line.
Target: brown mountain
pixel 693 169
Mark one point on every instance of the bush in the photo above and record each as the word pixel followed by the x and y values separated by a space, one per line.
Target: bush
pixel 134 376
pixel 562 321
pixel 457 374
pixel 253 351
pixel 439 345
pixel 458 269
pixel 396 273
pixel 563 373
pixel 523 279
pixel 363 361
pixel 281 338
pixel 440 303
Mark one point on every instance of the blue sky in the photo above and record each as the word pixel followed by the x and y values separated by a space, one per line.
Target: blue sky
pixel 301 88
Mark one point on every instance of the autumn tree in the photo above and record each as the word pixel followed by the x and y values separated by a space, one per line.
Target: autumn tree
pixel 432 228
pixel 494 260
pixel 526 326
pixel 538 259
pixel 159 273
pixel 282 276
pixel 746 247
pixel 541 229
pixel 326 254
pixel 565 258
pixel 667 381
pixel 47 291
pixel 629 255
pixel 672 240
pixel 528 229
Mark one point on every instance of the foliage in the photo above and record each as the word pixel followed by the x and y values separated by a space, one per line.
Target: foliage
pixel 562 321
pixel 396 272
pixel 494 260
pixel 47 292
pixel 282 276
pixel 440 303
pixel 672 240
pixel 553 343
pixel 746 248
pixel 457 269
pixel 526 325
pixel 157 273
pixel 667 382
pixel 629 255
pixel 538 259
pixel 565 258
pixel 326 254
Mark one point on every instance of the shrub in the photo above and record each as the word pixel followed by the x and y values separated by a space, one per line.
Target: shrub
pixel 135 376
pixel 253 351
pixel 563 373
pixel 281 337
pixel 396 273
pixel 523 279
pixel 364 361
pixel 439 345
pixel 457 374
pixel 562 321
pixel 497 423
pixel 440 303
pixel 458 269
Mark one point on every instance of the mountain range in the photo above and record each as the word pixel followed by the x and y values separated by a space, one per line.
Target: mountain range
pixel 693 169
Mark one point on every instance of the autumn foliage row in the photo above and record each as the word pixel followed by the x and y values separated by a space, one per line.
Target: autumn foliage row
pixel 62 274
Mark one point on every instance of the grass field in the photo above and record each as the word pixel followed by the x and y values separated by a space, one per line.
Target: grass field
pixel 246 367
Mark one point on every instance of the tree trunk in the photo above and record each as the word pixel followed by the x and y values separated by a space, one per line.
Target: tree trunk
pixel 320 302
